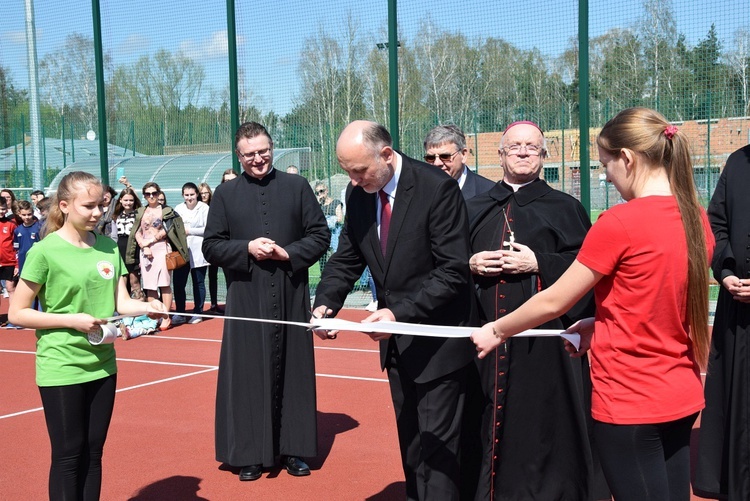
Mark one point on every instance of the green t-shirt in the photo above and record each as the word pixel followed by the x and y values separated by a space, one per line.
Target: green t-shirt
pixel 73 280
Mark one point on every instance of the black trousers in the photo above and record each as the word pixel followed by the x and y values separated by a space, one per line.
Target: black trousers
pixel 428 418
pixel 647 461
pixel 213 284
pixel 78 418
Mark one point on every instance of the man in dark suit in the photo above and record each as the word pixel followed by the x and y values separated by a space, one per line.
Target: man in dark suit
pixel 421 276
pixel 445 147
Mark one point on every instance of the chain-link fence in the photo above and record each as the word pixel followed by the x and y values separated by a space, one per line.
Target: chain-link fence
pixel 172 85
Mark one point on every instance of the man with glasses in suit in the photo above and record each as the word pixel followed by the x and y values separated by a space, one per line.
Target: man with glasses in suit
pixel 445 147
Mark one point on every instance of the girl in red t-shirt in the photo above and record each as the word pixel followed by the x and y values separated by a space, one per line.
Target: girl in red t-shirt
pixel 647 262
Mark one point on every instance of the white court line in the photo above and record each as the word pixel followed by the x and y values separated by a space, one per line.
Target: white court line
pixel 206 368
pixel 346 349
pixel 21 413
pixel 219 341
pixel 358 378
pixel 180 338
pixel 178 364
pixel 37 409
pixel 173 378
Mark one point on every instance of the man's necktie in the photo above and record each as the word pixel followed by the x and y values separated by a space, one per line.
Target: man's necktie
pixel 385 220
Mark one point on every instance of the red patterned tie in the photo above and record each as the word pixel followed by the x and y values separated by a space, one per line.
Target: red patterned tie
pixel 385 220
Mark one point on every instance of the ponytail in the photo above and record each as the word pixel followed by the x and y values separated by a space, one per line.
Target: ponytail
pixel 647 132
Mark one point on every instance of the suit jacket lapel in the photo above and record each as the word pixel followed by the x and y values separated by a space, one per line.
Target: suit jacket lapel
pixel 404 194
pixel 371 220
pixel 469 189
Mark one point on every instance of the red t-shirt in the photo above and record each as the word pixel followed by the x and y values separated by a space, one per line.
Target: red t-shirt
pixel 7 252
pixel 642 364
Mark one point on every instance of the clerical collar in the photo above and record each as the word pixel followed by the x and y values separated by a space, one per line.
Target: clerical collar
pixel 268 172
pixel 517 187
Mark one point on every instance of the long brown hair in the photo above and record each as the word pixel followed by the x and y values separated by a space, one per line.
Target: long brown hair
pixel 67 190
pixel 647 132
pixel 118 206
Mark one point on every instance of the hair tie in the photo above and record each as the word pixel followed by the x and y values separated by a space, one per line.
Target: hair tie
pixel 670 131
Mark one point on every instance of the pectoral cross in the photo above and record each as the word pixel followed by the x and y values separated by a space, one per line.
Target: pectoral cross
pixel 512 236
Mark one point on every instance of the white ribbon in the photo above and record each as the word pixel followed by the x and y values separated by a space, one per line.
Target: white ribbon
pixel 330 324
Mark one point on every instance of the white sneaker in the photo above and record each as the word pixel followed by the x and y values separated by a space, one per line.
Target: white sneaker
pixel 373 306
pixel 178 320
pixel 195 320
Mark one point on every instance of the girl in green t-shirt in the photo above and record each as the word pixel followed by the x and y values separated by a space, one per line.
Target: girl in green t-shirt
pixel 78 277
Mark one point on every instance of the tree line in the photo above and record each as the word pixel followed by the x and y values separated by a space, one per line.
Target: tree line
pixel 444 77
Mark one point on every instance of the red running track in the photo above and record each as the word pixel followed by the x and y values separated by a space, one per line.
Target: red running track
pixel 160 444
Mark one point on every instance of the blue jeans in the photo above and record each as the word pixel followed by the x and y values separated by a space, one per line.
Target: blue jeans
pixel 179 280
pixel 367 277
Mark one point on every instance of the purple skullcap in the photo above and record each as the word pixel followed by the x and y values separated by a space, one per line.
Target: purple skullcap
pixel 523 122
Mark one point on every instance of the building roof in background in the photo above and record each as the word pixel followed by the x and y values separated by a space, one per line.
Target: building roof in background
pixel 170 172
pixel 80 149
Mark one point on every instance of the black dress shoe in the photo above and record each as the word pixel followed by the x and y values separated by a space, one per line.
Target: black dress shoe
pixel 251 472
pixel 295 466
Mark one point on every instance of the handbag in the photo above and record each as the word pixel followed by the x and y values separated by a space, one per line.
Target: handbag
pixel 175 260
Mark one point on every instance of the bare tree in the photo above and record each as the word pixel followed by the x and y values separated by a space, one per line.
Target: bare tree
pixel 68 77
pixel 332 82
pixel 353 85
pixel 738 60
pixel 659 36
pixel 439 67
pixel 617 70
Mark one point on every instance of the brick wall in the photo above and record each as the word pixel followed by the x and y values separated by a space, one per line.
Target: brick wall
pixel 727 135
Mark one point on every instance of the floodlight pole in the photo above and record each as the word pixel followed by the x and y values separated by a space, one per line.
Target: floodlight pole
pixel 393 72
pixel 101 103
pixel 234 103
pixel 34 114
pixel 583 102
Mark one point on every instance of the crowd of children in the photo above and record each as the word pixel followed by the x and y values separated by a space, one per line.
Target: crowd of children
pixel 20 228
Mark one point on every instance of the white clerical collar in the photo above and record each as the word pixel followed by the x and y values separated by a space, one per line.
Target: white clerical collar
pixel 462 179
pixel 270 170
pixel 517 187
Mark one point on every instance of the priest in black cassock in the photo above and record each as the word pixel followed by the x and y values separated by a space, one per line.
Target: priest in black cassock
pixel 723 469
pixel 524 235
pixel 265 229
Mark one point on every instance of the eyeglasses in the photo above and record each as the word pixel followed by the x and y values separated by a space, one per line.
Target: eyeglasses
pixel 531 149
pixel 445 157
pixel 150 194
pixel 264 153
pixel 205 193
